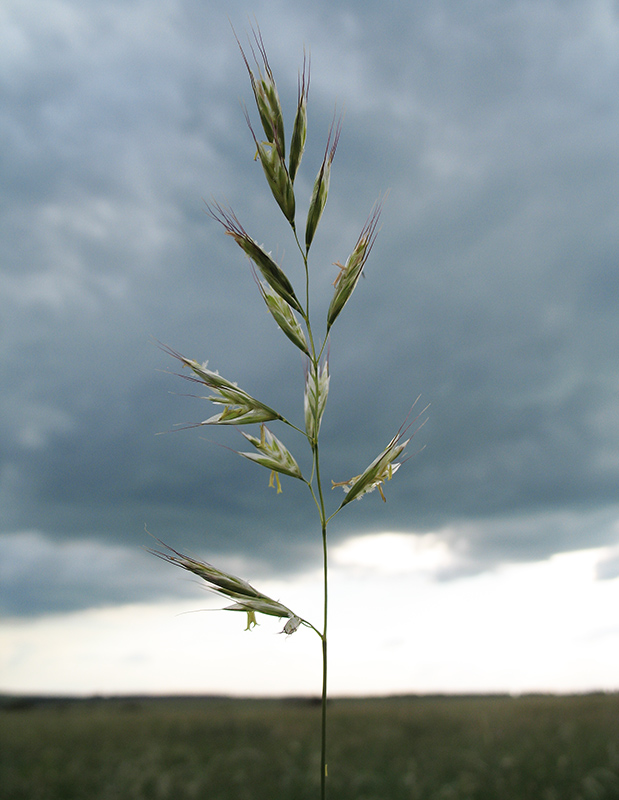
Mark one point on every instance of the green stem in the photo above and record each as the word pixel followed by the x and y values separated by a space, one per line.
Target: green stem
pixel 325 568
pixel 323 747
pixel 320 503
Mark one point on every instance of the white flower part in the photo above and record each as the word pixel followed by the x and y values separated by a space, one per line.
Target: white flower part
pixel 292 625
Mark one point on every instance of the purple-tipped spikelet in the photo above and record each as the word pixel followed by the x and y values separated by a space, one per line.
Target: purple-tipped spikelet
pixel 321 184
pixel 265 94
pixel 272 274
pixel 272 153
pixel 299 131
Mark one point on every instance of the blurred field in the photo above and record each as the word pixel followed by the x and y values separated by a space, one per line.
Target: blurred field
pixel 414 748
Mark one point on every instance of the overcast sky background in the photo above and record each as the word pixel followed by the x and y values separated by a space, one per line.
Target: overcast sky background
pixel 492 291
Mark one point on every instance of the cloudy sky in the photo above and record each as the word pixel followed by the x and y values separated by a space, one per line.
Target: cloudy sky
pixel 492 291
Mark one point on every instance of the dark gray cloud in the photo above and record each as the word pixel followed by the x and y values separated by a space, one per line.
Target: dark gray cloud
pixel 492 289
pixel 40 576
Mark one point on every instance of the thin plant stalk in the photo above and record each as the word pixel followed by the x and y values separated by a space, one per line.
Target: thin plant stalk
pixel 293 318
pixel 323 699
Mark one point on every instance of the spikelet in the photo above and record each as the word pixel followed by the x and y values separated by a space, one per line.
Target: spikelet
pixel 245 597
pixel 284 316
pixel 273 455
pixel 315 398
pixel 276 173
pixel 321 185
pixel 240 407
pixel 274 276
pixel 350 272
pixel 382 469
pixel 265 93
pixel 299 131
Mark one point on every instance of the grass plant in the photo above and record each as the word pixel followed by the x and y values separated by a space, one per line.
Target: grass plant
pixel 290 309
pixel 407 748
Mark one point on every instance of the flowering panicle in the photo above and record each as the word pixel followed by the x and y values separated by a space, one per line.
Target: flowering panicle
pixel 273 455
pixel 321 185
pixel 315 399
pixel 351 271
pixel 245 597
pixel 240 407
pixel 294 321
pixel 273 275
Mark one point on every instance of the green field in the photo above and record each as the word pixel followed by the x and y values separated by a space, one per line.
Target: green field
pixel 426 748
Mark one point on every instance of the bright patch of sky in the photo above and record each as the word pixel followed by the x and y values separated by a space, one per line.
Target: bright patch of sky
pixel 542 626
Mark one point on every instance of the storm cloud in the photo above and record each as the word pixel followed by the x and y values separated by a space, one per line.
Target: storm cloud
pixel 492 290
